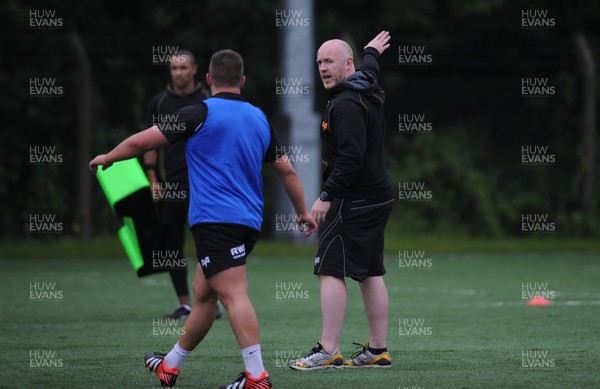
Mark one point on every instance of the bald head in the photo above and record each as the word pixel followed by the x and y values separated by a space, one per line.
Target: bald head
pixel 335 62
pixel 339 46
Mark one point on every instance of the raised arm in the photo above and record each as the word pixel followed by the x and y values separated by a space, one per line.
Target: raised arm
pixel 289 179
pixel 372 51
pixel 149 139
pixel 380 42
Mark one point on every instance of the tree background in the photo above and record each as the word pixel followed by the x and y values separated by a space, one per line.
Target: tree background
pixel 470 93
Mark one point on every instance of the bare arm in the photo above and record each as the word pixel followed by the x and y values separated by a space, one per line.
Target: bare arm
pixel 150 166
pixel 150 159
pixel 131 147
pixel 289 179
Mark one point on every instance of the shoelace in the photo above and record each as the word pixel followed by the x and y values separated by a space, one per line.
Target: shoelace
pixel 358 350
pixel 240 377
pixel 315 350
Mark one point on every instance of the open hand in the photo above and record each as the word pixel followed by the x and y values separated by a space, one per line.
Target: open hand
pixel 380 42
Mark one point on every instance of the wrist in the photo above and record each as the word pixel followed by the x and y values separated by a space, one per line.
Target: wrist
pixel 107 159
pixel 327 195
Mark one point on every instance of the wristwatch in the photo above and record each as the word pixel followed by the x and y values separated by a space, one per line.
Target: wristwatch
pixel 323 196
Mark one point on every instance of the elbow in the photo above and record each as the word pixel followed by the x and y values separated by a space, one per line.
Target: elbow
pixel 287 172
pixel 140 143
pixel 285 168
pixel 137 145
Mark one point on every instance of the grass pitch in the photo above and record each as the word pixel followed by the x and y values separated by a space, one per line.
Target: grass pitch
pixel 456 321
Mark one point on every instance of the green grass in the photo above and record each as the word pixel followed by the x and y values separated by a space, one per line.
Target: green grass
pixel 471 304
pixel 109 247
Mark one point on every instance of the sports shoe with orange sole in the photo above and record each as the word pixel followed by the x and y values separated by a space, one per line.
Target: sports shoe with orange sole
pixel 246 381
pixel 155 362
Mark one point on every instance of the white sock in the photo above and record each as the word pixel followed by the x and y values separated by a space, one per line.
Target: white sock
pixel 176 356
pixel 186 307
pixel 253 360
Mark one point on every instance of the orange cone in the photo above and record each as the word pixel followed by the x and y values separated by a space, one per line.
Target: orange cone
pixel 539 301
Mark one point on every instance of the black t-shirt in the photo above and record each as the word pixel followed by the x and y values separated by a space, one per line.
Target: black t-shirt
pixel 162 111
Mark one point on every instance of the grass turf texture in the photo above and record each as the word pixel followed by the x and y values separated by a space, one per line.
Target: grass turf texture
pixel 470 305
pixel 110 247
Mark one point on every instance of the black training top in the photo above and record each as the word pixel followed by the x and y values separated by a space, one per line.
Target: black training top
pixel 162 111
pixel 353 136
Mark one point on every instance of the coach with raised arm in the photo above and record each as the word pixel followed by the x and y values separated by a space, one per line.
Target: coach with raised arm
pixel 354 205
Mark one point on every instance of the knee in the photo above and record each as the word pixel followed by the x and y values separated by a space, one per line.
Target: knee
pixel 228 299
pixel 205 297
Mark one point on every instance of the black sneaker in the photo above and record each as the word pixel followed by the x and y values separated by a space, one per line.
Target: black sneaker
pixel 180 313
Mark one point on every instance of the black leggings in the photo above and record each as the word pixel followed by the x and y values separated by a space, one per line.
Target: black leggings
pixel 173 216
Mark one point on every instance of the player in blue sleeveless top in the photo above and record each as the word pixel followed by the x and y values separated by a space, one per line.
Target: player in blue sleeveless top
pixel 226 141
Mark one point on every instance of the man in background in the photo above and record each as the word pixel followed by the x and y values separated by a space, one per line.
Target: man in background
pixel 171 191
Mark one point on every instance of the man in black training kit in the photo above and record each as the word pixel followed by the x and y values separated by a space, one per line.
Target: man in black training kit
pixel 172 191
pixel 354 205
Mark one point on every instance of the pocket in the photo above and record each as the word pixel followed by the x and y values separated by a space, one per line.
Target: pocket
pixel 369 213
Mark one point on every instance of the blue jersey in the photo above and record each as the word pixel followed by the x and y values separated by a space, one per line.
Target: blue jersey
pixel 226 142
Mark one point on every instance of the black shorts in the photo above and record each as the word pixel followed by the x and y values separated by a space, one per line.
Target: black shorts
pixel 220 246
pixel 351 243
